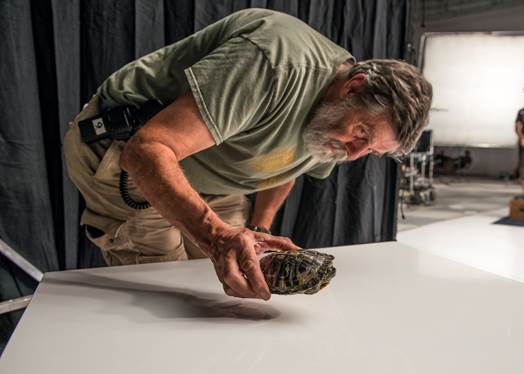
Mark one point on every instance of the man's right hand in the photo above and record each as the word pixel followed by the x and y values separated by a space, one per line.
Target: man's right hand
pixel 234 254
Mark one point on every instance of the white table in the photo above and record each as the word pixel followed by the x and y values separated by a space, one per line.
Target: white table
pixel 390 309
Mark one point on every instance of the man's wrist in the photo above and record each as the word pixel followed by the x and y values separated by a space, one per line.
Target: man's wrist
pixel 209 229
pixel 255 228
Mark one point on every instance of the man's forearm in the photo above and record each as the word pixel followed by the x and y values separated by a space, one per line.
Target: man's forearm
pixel 155 169
pixel 267 204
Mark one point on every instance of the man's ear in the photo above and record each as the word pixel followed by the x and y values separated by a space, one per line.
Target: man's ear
pixel 353 84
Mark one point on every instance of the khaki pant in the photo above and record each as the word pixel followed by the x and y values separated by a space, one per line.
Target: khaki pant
pixel 130 236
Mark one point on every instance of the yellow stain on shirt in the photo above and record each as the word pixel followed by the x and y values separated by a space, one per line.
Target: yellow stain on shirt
pixel 273 161
pixel 272 182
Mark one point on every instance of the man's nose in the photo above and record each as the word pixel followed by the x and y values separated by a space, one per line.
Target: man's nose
pixel 357 151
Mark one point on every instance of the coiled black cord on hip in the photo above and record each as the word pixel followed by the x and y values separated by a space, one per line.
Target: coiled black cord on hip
pixel 124 193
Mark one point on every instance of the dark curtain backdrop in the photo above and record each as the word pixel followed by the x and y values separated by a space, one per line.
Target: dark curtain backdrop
pixel 53 55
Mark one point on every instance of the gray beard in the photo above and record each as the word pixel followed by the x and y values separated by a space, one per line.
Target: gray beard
pixel 326 119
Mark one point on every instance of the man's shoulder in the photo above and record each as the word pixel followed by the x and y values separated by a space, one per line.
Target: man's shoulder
pixel 273 17
pixel 520 115
pixel 287 41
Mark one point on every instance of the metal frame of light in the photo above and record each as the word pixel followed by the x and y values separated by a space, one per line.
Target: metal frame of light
pixel 21 302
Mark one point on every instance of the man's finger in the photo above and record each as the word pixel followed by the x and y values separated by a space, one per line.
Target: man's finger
pixel 266 241
pixel 260 248
pixel 250 266
pixel 234 279
pixel 229 291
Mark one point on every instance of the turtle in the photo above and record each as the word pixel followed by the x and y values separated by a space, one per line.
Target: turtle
pixel 289 273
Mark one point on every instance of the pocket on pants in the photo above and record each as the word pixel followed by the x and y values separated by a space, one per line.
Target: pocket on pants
pixel 116 247
pixel 109 168
pixel 102 242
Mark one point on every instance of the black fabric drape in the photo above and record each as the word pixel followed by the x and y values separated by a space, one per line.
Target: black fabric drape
pixel 54 53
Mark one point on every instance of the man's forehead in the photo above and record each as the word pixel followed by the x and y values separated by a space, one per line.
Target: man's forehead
pixel 385 137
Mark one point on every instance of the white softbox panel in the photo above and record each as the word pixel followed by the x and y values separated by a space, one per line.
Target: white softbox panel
pixel 478 84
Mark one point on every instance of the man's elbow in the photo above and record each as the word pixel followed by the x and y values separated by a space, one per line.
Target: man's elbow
pixel 130 153
pixel 143 151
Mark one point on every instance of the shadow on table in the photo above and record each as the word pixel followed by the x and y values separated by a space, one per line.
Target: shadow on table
pixel 172 302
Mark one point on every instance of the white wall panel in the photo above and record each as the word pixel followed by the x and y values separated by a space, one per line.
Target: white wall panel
pixel 478 81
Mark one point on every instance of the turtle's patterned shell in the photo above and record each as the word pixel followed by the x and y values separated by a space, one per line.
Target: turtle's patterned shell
pixel 289 273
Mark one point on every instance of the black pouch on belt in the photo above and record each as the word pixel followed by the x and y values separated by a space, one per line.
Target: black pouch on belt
pixel 118 123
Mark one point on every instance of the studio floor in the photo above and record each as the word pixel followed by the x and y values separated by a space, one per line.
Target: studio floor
pixel 463 225
pixel 457 198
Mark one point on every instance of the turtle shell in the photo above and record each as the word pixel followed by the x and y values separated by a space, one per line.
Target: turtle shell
pixel 288 273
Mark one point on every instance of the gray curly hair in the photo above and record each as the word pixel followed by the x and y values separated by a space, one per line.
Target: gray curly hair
pixel 397 89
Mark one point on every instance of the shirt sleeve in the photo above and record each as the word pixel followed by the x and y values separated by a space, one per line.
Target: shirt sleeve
pixel 232 87
pixel 140 80
pixel 322 171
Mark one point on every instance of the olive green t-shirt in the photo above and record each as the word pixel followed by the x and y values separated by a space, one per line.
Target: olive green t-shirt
pixel 255 76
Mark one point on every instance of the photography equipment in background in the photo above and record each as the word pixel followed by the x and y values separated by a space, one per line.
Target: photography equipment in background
pixel 416 183
pixel 448 165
